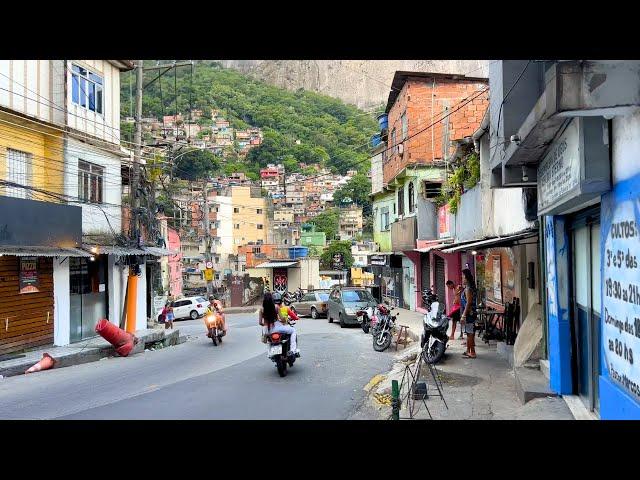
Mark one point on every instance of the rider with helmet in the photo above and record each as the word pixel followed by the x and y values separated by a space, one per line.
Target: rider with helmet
pixel 274 317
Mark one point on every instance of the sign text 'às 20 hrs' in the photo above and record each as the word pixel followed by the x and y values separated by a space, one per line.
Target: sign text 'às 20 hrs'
pixel 621 294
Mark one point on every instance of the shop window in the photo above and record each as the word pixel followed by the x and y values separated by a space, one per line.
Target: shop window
pixel 412 200
pixel 401 201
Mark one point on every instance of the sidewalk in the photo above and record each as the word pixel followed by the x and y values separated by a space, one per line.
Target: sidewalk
pixel 86 351
pixel 474 389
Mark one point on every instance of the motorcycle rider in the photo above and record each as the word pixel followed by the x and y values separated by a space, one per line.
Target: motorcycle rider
pixel 274 316
pixel 215 307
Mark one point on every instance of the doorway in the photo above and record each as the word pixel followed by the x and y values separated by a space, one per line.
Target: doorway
pixel 88 295
pixel 585 305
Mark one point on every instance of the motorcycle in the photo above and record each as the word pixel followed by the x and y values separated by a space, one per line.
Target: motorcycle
pixel 384 329
pixel 279 351
pixel 214 332
pixel 368 317
pixel 365 317
pixel 434 336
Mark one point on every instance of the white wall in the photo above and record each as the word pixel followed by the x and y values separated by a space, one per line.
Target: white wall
pixel 626 145
pixel 33 87
pixel 61 302
pixel 508 211
pixel 117 289
pixel 105 126
pixel 93 218
pixel 141 310
pixel 225 217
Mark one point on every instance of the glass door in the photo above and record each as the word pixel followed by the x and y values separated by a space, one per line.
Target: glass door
pixel 88 292
pixel 586 291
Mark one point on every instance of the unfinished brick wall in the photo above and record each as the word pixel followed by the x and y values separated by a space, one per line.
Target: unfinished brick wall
pixel 425 101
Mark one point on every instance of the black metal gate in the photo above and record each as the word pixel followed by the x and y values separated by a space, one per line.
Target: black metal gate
pixel 426 271
pixel 440 278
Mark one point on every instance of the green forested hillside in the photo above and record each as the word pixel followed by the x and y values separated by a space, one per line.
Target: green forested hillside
pixel 329 132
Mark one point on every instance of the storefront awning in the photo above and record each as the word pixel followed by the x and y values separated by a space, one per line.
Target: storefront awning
pixel 160 252
pixel 492 242
pixel 113 250
pixel 276 265
pixel 23 251
pixel 431 247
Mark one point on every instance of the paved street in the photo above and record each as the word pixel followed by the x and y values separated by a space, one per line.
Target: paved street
pixel 196 380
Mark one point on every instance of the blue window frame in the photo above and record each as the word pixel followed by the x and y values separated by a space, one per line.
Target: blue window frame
pixel 87 89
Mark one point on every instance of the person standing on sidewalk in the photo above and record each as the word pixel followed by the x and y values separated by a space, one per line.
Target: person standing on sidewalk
pixel 455 309
pixel 169 316
pixel 469 313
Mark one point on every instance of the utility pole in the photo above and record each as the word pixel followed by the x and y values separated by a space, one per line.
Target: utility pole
pixel 137 153
pixel 207 236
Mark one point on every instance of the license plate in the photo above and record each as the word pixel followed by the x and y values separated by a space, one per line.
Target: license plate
pixel 275 350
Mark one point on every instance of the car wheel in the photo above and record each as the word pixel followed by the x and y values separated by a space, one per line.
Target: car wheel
pixel 342 324
pixel 330 317
pixel 193 314
pixel 314 313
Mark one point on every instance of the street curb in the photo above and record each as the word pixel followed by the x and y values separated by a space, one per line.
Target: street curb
pixel 94 354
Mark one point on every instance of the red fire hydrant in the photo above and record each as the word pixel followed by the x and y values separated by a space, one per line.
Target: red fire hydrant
pixel 121 340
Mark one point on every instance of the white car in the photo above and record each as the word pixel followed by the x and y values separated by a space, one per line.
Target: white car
pixel 190 307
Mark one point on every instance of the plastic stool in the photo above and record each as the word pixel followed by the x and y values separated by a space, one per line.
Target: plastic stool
pixel 405 329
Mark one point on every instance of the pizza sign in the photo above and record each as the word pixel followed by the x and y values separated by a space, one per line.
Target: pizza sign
pixel 29 275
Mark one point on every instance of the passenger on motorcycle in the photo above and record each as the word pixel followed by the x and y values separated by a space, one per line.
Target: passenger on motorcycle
pixel 215 307
pixel 274 316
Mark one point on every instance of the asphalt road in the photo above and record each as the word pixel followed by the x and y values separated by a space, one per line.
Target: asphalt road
pixel 197 380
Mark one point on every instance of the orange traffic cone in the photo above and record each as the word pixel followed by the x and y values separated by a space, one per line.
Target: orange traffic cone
pixel 45 363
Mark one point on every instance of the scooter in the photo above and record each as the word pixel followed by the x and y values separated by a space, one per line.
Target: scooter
pixel 434 338
pixel 214 332
pixel 384 329
pixel 279 351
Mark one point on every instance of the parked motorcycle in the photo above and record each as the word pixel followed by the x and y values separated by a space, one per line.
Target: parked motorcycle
pixel 214 327
pixel 279 348
pixel 365 317
pixel 384 328
pixel 434 336
pixel 368 317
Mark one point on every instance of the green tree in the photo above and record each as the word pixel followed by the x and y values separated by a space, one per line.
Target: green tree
pixel 311 127
pixel 327 222
pixel 355 191
pixel 343 247
pixel 196 165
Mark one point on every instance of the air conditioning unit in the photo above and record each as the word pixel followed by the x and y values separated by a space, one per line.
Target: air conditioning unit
pixel 401 149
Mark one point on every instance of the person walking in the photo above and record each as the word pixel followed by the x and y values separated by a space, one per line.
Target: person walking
pixel 455 308
pixel 469 312
pixel 169 316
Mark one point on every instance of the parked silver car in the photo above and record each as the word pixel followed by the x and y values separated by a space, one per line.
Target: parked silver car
pixel 344 302
pixel 312 303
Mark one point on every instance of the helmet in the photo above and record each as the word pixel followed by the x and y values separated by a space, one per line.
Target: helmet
pixel 277 298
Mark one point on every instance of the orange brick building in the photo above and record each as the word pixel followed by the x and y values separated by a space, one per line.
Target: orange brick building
pixel 418 100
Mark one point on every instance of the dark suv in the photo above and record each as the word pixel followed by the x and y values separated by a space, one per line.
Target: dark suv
pixel 344 302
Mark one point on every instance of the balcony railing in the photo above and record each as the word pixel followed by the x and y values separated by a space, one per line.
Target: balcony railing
pixel 404 234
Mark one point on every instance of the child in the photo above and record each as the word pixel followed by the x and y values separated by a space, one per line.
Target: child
pixel 169 316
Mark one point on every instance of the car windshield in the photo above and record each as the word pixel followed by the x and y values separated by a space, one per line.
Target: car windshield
pixel 201 299
pixel 355 296
pixel 323 297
